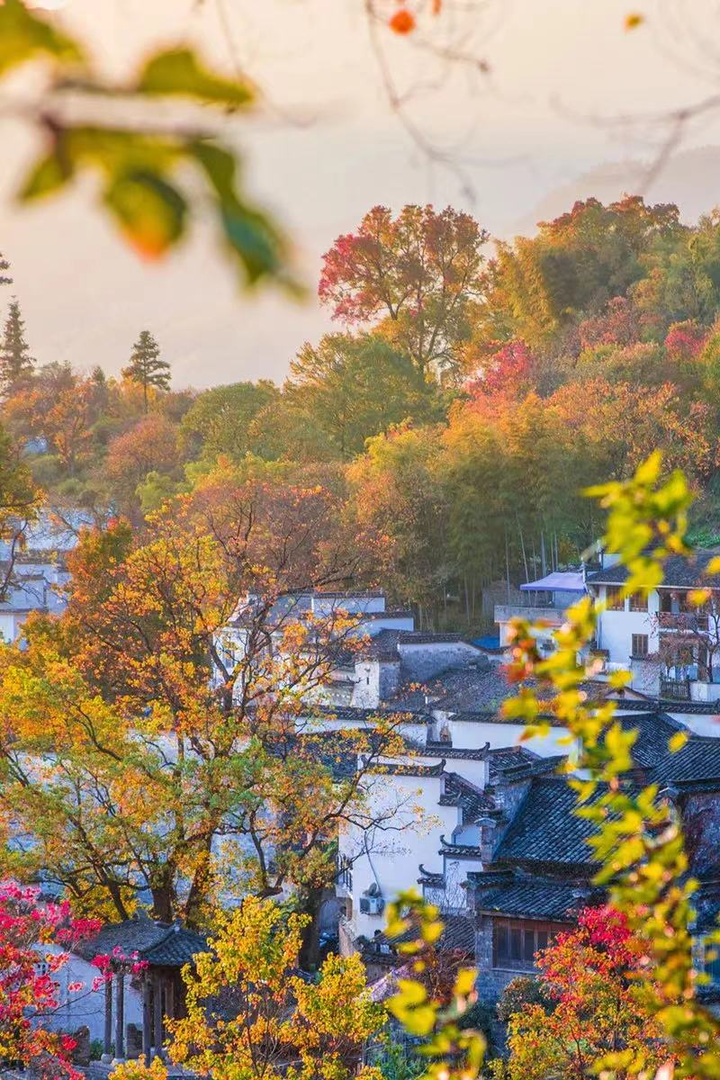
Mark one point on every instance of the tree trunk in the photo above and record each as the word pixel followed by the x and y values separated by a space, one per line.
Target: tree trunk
pixel 310 903
pixel 163 905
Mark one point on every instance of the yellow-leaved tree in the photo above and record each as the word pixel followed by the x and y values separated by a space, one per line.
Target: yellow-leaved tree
pixel 251 1015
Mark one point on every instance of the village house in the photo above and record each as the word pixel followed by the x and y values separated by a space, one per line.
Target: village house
pixel 670 645
pixel 513 866
pixel 33 570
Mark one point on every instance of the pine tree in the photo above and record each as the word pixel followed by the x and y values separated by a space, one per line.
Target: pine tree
pixel 145 367
pixel 4 265
pixel 16 363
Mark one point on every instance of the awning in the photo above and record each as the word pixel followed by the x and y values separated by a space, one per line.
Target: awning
pixel 559 581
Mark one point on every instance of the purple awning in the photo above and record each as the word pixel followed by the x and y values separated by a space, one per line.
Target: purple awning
pixel 560 581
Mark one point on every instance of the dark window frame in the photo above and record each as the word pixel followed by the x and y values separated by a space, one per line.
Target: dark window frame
pixel 640 645
pixel 613 599
pixel 516 941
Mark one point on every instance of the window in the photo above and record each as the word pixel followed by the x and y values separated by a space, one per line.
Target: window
pixel 615 601
pixel 639 645
pixel 516 942
pixel 639 602
pixel 344 874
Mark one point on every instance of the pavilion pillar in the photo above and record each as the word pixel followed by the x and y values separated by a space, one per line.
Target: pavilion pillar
pixel 107 1030
pixel 157 1013
pixel 147 1020
pixel 170 998
pixel 119 1017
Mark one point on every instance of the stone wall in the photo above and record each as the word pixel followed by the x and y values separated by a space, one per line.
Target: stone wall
pixel 491 981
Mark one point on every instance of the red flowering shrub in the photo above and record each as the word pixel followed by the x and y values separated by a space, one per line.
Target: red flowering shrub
pixel 28 990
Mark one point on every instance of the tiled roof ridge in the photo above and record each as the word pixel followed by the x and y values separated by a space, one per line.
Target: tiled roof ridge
pixel 410 769
pixel 468 851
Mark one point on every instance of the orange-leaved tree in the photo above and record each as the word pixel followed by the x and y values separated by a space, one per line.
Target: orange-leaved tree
pixel 141 750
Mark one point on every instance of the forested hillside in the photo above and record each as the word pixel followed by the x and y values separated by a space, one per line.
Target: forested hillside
pixel 471 390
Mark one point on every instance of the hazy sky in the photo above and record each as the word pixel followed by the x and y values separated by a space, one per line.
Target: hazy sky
pixel 327 146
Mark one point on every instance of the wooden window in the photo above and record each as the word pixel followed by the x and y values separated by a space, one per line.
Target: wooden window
pixel 640 645
pixel 638 602
pixel 615 601
pixel 515 942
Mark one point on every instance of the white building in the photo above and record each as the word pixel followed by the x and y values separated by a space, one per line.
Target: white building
pixel 670 645
pixel 444 794
pixel 33 570
pixel 84 1005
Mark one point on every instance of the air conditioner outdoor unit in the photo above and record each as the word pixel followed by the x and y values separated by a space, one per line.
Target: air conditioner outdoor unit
pixel 371 905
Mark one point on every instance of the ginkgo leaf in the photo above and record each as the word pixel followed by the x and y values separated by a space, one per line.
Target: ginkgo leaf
pixel 47 175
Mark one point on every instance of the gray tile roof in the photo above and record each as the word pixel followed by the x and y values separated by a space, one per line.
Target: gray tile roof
pixel 679 572
pixel 435 879
pixel 697 762
pixel 459 851
pixel 463 688
pixel 654 730
pixel 161 944
pixel 473 802
pixel 409 769
pixel 537 898
pixel 545 829
pixel 458 934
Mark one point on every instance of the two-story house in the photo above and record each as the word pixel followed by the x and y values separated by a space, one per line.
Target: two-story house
pixel 669 643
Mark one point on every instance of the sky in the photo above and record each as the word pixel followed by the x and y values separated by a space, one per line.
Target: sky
pixel 568 110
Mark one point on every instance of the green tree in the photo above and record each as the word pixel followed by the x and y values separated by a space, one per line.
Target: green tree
pixel 219 420
pixel 4 266
pixel 16 363
pixel 353 387
pixel 146 368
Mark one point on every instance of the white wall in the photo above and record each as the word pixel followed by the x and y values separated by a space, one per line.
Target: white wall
pixel 616 628
pixel 85 1007
pixel 472 734
pixel 396 855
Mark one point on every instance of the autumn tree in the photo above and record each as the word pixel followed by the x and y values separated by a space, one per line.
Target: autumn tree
pixel 31 932
pixel 250 1014
pixel 20 500
pixel 16 363
pixel 417 276
pixel 180 763
pixel 540 287
pixel 151 445
pixel 596 1007
pixel 146 369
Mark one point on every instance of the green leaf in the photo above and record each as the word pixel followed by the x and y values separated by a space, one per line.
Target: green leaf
pixel 24 37
pixel 249 234
pixel 46 176
pixel 179 72
pixel 151 212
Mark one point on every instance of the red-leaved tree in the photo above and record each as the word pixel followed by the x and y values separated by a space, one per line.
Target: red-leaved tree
pixel 420 273
pixel 595 1014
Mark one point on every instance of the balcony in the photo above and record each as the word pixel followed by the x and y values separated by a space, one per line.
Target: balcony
pixel 687 621
pixel 675 689
pixel 532 612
